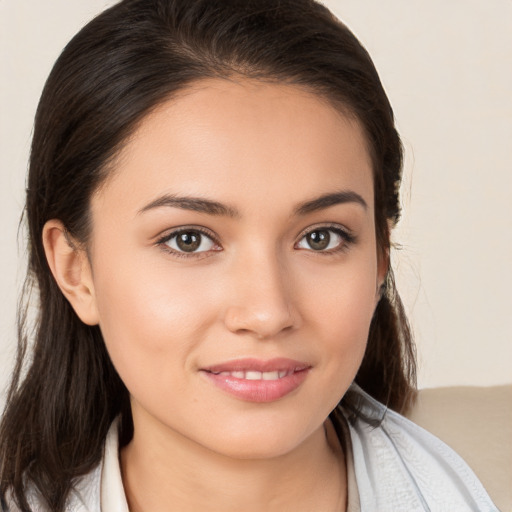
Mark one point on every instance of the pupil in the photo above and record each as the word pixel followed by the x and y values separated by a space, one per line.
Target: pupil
pixel 319 240
pixel 188 241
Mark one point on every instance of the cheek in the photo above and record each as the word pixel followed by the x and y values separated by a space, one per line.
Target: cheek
pixel 340 308
pixel 344 295
pixel 149 317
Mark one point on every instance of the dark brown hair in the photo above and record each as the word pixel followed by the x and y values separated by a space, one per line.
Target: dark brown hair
pixel 65 391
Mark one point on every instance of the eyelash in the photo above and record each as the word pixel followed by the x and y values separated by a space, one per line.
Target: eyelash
pixel 348 239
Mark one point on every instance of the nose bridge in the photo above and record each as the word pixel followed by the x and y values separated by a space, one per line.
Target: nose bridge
pixel 261 302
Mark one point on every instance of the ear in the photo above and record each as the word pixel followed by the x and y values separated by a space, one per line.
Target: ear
pixel 71 269
pixel 382 271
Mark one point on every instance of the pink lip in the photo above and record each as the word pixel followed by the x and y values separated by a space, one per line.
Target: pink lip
pixel 258 390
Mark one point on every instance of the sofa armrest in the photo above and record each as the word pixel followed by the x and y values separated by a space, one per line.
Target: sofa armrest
pixel 477 423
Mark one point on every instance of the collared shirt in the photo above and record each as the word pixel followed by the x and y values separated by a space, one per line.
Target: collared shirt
pixel 392 464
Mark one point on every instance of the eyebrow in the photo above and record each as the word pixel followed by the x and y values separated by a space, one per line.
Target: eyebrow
pixel 202 205
pixel 196 204
pixel 330 199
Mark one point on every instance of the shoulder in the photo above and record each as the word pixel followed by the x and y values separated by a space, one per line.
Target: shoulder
pixel 401 467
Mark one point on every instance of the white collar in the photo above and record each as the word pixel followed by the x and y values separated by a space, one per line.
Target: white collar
pixel 113 498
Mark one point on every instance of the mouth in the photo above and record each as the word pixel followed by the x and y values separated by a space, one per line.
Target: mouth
pixel 259 381
pixel 254 375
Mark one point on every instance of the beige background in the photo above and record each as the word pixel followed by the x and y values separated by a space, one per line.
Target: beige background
pixel 447 69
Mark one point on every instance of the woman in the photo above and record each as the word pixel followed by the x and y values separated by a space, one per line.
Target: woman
pixel 211 191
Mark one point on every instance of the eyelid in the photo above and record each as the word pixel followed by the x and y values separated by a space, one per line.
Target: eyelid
pixel 329 226
pixel 170 232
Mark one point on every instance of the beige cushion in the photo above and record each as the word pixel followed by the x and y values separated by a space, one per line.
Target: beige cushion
pixel 477 423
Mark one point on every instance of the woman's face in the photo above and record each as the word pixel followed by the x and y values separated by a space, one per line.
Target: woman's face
pixel 234 265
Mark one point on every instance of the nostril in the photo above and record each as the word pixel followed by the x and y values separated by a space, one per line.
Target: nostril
pixel 262 323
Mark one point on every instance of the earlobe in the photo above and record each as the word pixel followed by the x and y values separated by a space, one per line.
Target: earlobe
pixel 71 269
pixel 382 272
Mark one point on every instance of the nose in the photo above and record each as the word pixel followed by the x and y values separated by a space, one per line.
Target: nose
pixel 261 301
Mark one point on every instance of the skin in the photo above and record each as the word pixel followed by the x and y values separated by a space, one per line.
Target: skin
pixel 258 290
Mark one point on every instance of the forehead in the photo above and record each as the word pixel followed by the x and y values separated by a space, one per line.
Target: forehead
pixel 245 138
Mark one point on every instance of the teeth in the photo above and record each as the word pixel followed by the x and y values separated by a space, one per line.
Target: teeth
pixel 254 375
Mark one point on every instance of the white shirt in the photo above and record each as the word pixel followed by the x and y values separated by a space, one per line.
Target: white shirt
pixel 393 465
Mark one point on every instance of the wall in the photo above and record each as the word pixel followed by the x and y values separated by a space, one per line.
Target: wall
pixel 446 67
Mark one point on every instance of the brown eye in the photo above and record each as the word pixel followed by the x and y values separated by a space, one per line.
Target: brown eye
pixel 324 240
pixel 190 241
pixel 318 240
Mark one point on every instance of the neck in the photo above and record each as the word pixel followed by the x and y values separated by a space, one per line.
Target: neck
pixel 170 473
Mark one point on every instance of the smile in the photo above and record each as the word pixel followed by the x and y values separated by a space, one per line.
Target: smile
pixel 252 375
pixel 253 380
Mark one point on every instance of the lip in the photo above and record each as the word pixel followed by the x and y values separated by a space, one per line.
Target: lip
pixel 285 375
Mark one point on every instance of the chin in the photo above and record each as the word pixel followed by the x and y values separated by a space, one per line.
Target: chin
pixel 257 449
pixel 262 441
